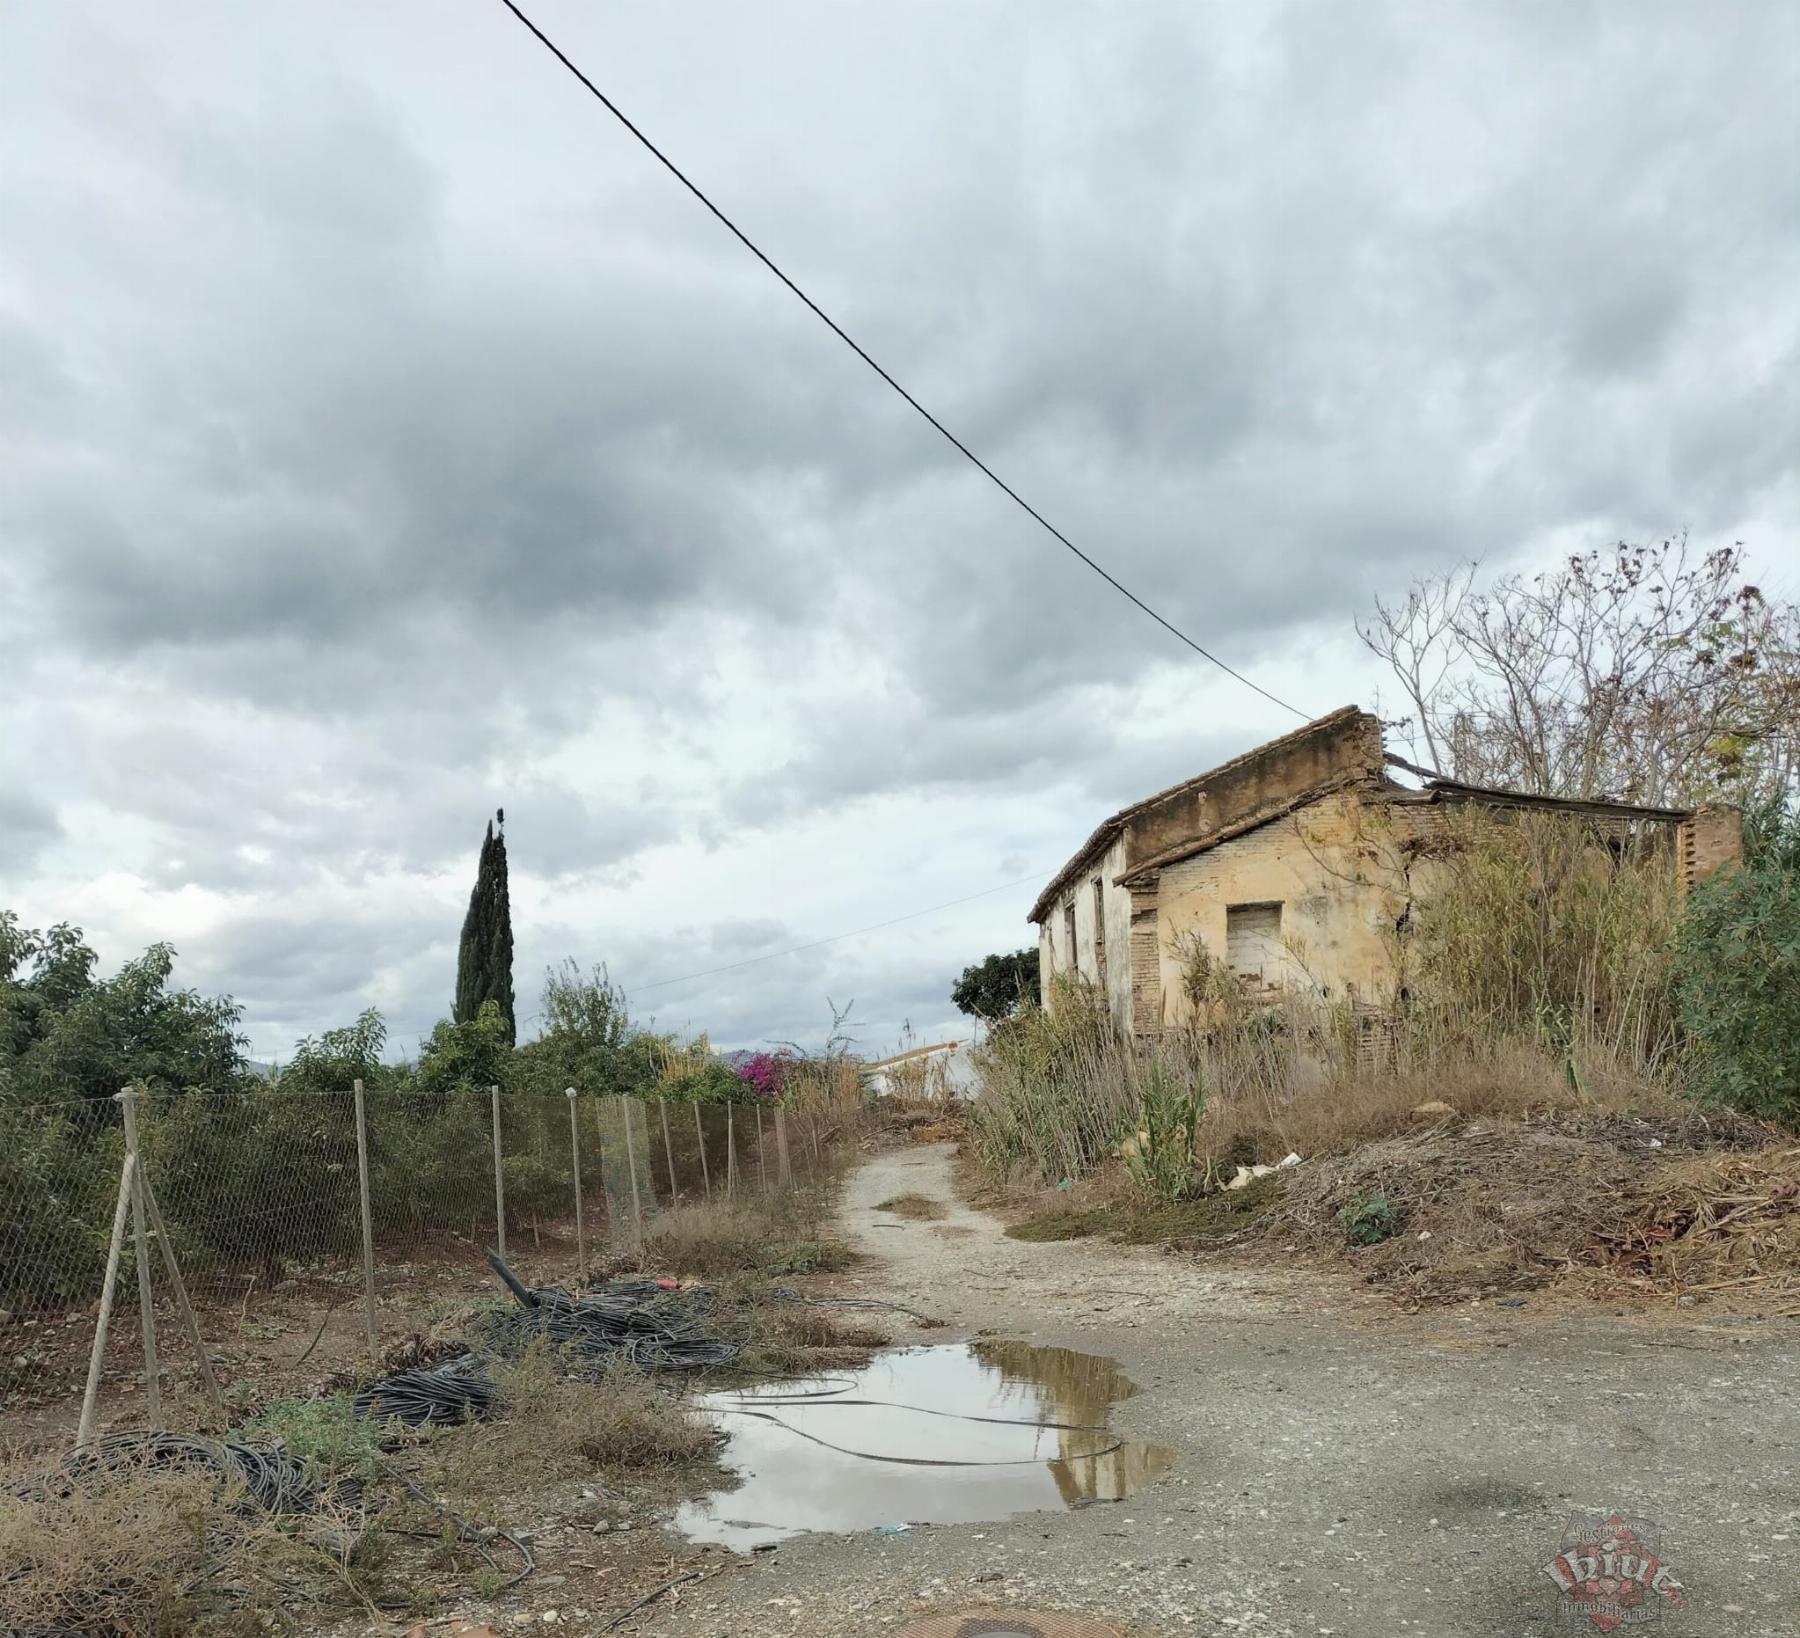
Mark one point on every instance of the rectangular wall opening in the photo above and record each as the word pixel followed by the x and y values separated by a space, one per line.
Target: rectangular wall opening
pixel 1253 942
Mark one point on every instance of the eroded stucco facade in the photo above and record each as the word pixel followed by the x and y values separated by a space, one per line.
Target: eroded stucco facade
pixel 1099 911
pixel 1292 867
pixel 1337 914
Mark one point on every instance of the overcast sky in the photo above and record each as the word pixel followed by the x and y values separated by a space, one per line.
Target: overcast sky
pixel 385 438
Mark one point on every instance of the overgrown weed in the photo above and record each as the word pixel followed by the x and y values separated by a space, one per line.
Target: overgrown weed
pixel 778 1234
pixel 555 1425
pixel 918 1207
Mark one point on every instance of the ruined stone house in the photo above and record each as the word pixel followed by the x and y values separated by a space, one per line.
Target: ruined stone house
pixel 1283 865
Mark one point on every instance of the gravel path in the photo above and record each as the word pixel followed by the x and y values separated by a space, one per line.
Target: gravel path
pixel 1342 1468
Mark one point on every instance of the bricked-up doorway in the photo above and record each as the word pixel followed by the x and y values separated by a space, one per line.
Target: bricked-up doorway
pixel 1253 941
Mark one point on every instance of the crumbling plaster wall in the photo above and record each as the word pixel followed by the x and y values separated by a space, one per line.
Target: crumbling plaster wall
pixel 1054 954
pixel 1330 865
pixel 1345 745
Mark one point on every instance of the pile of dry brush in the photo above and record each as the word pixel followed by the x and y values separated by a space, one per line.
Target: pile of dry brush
pixel 1603 1203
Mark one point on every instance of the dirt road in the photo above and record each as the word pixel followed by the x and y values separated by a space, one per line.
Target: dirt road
pixel 1340 1468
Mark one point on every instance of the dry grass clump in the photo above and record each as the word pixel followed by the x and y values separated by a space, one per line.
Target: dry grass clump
pixel 557 1426
pixel 1317 1112
pixel 1124 1215
pixel 788 1339
pixel 772 1234
pixel 1247 1083
pixel 120 1556
pixel 920 1207
pixel 134 1551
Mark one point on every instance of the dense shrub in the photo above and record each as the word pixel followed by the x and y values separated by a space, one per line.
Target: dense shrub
pixel 1739 974
pixel 1544 927
pixel 1059 1088
pixel 58 1184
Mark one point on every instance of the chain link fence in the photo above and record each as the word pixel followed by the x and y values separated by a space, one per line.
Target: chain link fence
pixel 352 1203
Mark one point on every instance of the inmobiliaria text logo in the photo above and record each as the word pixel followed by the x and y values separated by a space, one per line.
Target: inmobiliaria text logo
pixel 1611 1571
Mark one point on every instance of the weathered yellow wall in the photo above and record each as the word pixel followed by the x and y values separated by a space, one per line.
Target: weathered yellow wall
pixel 1053 953
pixel 1344 744
pixel 1331 867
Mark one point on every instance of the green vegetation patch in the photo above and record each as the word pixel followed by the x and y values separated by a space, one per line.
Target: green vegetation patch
pixel 920 1207
pixel 325 1435
pixel 1061 1224
pixel 1213 1217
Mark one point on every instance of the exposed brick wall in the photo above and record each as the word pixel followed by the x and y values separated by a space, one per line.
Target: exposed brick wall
pixel 1146 965
pixel 1711 839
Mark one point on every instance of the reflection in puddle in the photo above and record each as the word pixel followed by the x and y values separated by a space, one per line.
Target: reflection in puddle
pixel 942 1435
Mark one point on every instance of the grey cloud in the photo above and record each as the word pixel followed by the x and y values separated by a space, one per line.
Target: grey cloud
pixel 300 970
pixel 393 427
pixel 730 938
pixel 28 825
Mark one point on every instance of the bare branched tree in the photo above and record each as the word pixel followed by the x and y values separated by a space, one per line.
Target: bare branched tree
pixel 1653 674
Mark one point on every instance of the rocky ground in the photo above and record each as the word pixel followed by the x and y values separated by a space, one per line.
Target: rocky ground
pixel 1341 1467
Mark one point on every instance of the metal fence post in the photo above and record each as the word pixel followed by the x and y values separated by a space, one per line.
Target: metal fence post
pixel 784 1174
pixel 700 1138
pixel 575 1163
pixel 662 1108
pixel 85 1429
pixel 637 1206
pixel 762 1163
pixel 730 1152
pixel 499 1180
pixel 368 1220
pixel 140 1241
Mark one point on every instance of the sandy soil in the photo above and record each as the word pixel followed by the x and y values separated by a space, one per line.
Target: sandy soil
pixel 1343 1468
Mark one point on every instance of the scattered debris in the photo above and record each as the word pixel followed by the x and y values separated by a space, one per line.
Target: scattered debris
pixel 1499 1205
pixel 1246 1175
pixel 652 1324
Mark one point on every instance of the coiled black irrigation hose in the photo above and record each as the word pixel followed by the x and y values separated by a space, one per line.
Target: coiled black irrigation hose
pixel 431 1396
pixel 651 1324
pixel 272 1480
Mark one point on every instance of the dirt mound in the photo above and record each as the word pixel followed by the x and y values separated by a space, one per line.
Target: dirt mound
pixel 1685 1204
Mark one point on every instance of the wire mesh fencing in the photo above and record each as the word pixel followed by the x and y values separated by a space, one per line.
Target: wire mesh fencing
pixel 339 1201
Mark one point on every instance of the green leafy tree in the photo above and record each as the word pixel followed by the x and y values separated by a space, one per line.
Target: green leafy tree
pixel 484 957
pixel 65 1033
pixel 588 1039
pixel 336 1060
pixel 476 1053
pixel 996 988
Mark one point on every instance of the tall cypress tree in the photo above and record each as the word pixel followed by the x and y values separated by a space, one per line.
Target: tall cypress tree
pixel 484 957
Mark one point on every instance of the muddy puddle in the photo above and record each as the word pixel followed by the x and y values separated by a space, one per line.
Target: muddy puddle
pixel 944 1435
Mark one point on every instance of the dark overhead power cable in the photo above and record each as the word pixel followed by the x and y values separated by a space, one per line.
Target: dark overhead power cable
pixel 838 330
